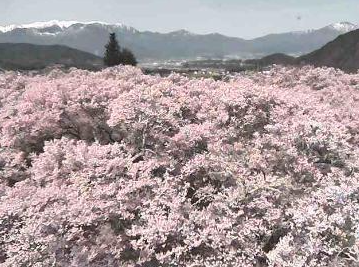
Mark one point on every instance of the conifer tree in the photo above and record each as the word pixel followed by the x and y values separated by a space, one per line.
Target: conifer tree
pixel 113 52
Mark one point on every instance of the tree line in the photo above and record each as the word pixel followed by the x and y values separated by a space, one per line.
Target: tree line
pixel 115 55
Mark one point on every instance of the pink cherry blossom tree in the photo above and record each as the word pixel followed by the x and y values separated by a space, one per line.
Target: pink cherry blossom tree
pixel 118 168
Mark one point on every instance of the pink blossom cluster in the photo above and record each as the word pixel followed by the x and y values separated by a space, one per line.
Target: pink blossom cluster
pixel 118 168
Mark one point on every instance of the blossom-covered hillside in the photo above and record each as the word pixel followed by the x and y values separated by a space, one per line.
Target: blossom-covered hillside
pixel 117 168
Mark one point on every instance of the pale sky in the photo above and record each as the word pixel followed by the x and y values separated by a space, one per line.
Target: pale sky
pixel 240 18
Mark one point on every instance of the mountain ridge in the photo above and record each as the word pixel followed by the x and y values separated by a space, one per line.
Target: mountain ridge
pixel 344 26
pixel 23 56
pixel 182 44
pixel 341 53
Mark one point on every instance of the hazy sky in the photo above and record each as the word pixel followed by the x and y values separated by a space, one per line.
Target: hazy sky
pixel 242 18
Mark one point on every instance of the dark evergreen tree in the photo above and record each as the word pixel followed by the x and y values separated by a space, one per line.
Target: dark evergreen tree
pixel 128 57
pixel 113 55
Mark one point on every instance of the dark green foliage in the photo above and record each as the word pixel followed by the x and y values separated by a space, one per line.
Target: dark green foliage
pixel 128 57
pixel 114 55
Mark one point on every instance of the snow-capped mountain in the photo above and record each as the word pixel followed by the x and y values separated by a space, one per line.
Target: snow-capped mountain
pixel 39 25
pixel 92 37
pixel 58 24
pixel 343 27
pixel 300 42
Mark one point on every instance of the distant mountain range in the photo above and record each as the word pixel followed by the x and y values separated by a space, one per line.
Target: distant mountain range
pixel 152 46
pixel 341 53
pixel 32 57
